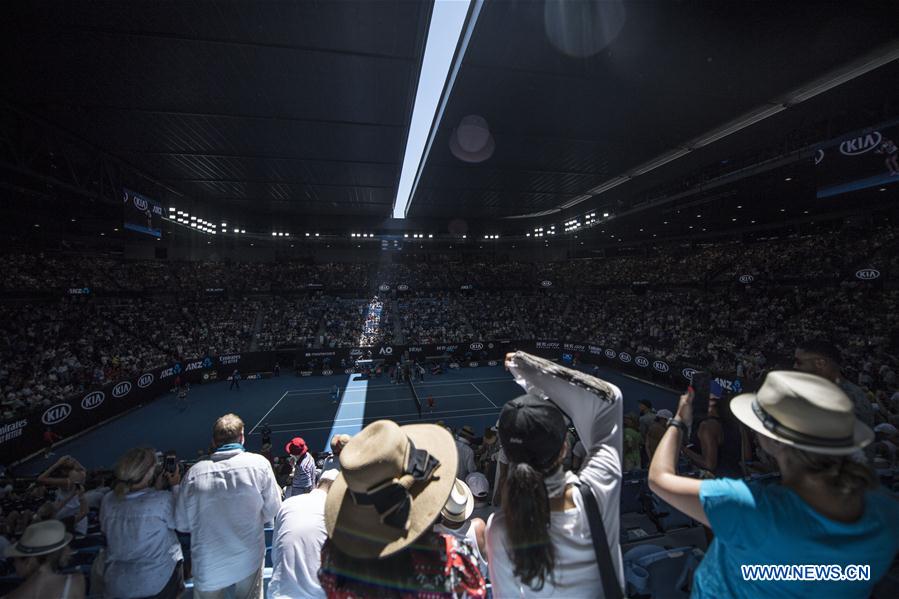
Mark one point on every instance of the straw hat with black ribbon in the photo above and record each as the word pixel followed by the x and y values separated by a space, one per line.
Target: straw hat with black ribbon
pixel 394 481
pixel 804 411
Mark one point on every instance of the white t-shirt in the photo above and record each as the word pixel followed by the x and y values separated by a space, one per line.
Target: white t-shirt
pixel 297 545
pixel 598 421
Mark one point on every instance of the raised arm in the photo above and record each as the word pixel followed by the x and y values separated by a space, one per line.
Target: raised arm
pixel 680 491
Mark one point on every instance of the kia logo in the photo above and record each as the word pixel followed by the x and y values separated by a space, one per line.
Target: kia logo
pixel 746 278
pixel 688 373
pixel 624 357
pixel 610 353
pixel 867 274
pixel 660 366
pixel 348 371
pixel 93 400
pixel 472 364
pixel 384 287
pixel 327 372
pixel 861 144
pixel 140 204
pixel 403 287
pixel 145 380
pixel 57 413
pixel 122 389
pixel 641 361
pixel 546 283
pixel 491 363
pixel 476 346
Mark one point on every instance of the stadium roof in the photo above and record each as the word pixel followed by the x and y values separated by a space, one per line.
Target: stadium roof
pixel 299 112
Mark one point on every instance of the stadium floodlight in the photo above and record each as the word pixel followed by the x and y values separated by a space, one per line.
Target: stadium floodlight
pixel 287 235
pixel 307 234
pixel 273 233
pixel 605 214
pixel 406 235
pixel 316 234
pixel 193 218
pixel 430 236
pixel 447 32
pixel 464 236
pixel 224 224
pixel 171 208
pixel 194 225
pixel 243 231
pixel 237 230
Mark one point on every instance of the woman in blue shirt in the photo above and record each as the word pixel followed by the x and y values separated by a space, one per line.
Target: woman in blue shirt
pixel 826 511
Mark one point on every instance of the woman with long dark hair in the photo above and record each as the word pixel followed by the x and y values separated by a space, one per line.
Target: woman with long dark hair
pixel 540 543
pixel 825 511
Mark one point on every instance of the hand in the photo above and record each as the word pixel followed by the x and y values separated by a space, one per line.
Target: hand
pixel 174 477
pixel 685 408
pixel 508 360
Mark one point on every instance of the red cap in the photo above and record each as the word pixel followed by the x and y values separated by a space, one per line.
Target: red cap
pixel 296 446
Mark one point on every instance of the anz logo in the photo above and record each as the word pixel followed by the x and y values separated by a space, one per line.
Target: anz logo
pixel 660 366
pixel 688 373
pixel 140 203
pixel 476 346
pixel 641 361
pixel 56 414
pixel 122 389
pixel 145 380
pixel 861 144
pixel 93 400
pixel 624 357
pixel 610 353
pixel 867 274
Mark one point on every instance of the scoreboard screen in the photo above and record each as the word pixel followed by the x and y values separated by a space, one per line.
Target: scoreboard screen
pixel 142 214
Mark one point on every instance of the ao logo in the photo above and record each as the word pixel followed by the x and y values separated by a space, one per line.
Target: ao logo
pixel 476 346
pixel 624 357
pixel 386 351
pixel 93 400
pixel 641 361
pixel 688 373
pixel 327 372
pixel 746 278
pixel 546 283
pixel 660 366
pixel 403 287
pixel 145 380
pixel 140 203
pixel 384 287
pixel 867 274
pixel 57 413
pixel 122 389
pixel 610 353
pixel 861 144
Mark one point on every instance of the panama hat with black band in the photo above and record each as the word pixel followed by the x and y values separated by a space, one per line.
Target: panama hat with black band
pixel 40 538
pixel 804 411
pixel 394 481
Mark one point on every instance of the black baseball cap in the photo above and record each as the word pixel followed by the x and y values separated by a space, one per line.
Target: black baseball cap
pixel 532 431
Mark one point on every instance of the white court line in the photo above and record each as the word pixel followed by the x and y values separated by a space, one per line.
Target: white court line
pixel 392 416
pixel 267 413
pixel 410 398
pixel 318 390
pixel 485 397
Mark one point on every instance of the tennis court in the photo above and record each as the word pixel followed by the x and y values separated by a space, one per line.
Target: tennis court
pixel 303 406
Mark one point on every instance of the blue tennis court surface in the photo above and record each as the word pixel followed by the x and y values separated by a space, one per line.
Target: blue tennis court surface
pixel 294 406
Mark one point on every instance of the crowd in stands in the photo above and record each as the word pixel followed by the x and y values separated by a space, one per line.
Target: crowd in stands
pixel 542 504
pixel 53 348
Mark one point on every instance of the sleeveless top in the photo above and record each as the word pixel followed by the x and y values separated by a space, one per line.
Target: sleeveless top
pixel 730 450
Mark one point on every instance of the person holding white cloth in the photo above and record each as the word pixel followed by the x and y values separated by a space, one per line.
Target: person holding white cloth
pixel 541 543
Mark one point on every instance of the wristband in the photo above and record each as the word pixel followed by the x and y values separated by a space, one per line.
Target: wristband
pixel 678 424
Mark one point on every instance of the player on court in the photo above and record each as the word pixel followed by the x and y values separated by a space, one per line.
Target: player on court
pixel 430 403
pixel 335 393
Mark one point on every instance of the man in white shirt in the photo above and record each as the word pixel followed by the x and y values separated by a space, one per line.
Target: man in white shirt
pixel 224 503
pixel 297 543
